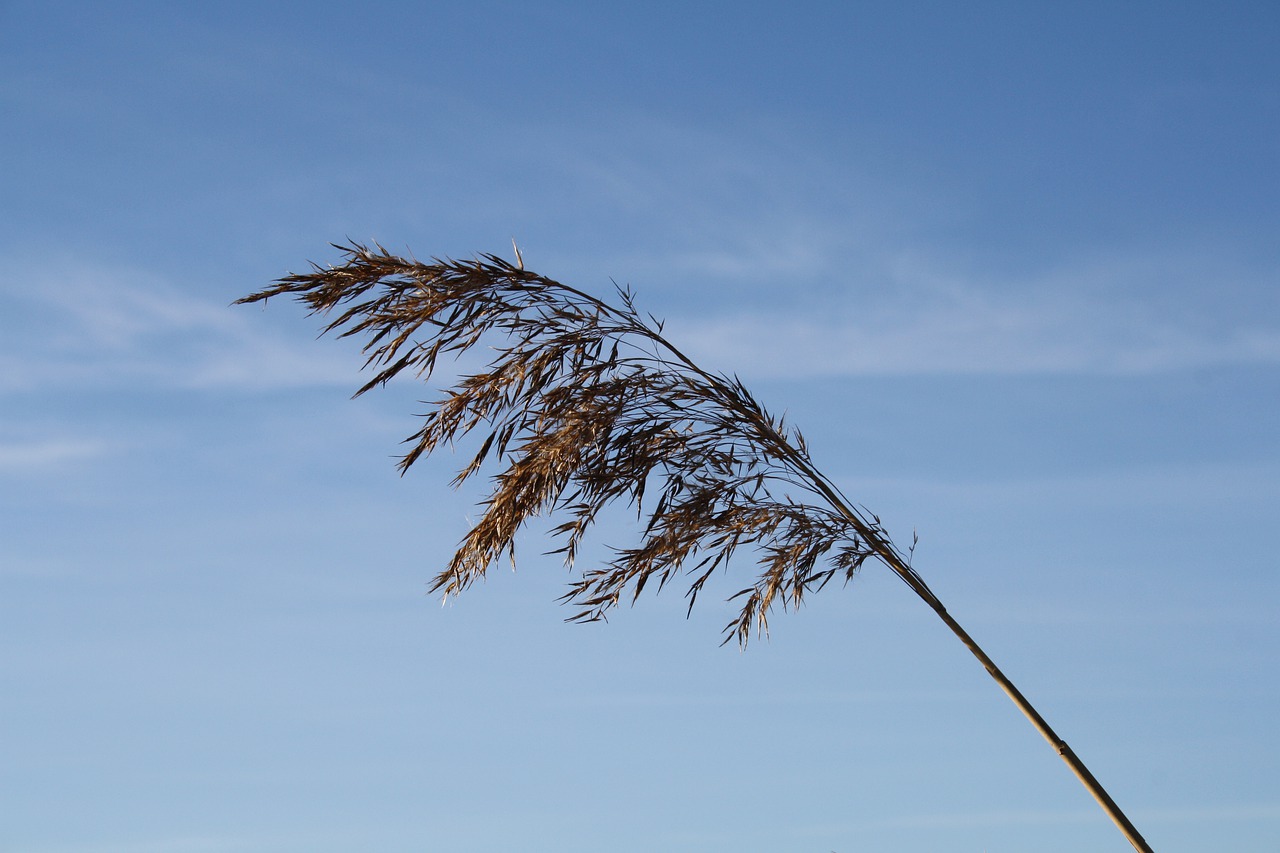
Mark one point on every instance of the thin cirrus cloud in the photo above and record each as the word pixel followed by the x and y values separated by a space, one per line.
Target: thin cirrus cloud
pixel 185 844
pixel 99 328
pixel 88 327
pixel 922 324
pixel 41 454
pixel 1209 814
pixel 991 339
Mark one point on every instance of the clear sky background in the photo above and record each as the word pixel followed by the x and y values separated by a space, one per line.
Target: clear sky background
pixel 1013 267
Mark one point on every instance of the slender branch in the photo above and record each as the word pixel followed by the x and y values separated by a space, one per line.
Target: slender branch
pixel 586 404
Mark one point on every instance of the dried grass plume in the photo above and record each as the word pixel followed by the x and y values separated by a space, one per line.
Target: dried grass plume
pixel 585 404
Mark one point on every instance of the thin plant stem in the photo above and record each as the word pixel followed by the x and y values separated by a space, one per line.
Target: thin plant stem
pixel 587 404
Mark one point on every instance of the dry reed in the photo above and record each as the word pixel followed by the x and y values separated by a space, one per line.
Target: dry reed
pixel 586 404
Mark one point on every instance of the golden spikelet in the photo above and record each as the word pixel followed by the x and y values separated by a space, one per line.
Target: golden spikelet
pixel 586 404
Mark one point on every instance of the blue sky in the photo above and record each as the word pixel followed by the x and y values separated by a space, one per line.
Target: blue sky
pixel 1013 268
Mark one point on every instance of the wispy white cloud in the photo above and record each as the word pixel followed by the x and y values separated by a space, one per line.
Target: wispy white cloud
pixel 840 697
pixel 41 454
pixel 78 326
pixel 919 322
pixel 1213 814
pixel 1180 488
pixel 168 844
pixel 1033 817
pixel 178 845
pixel 813 266
pixel 1026 817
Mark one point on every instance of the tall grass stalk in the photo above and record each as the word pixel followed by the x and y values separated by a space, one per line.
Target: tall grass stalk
pixel 585 404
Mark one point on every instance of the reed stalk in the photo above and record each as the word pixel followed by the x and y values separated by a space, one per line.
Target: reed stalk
pixel 585 404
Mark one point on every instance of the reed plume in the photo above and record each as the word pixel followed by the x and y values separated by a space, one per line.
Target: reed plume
pixel 585 404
